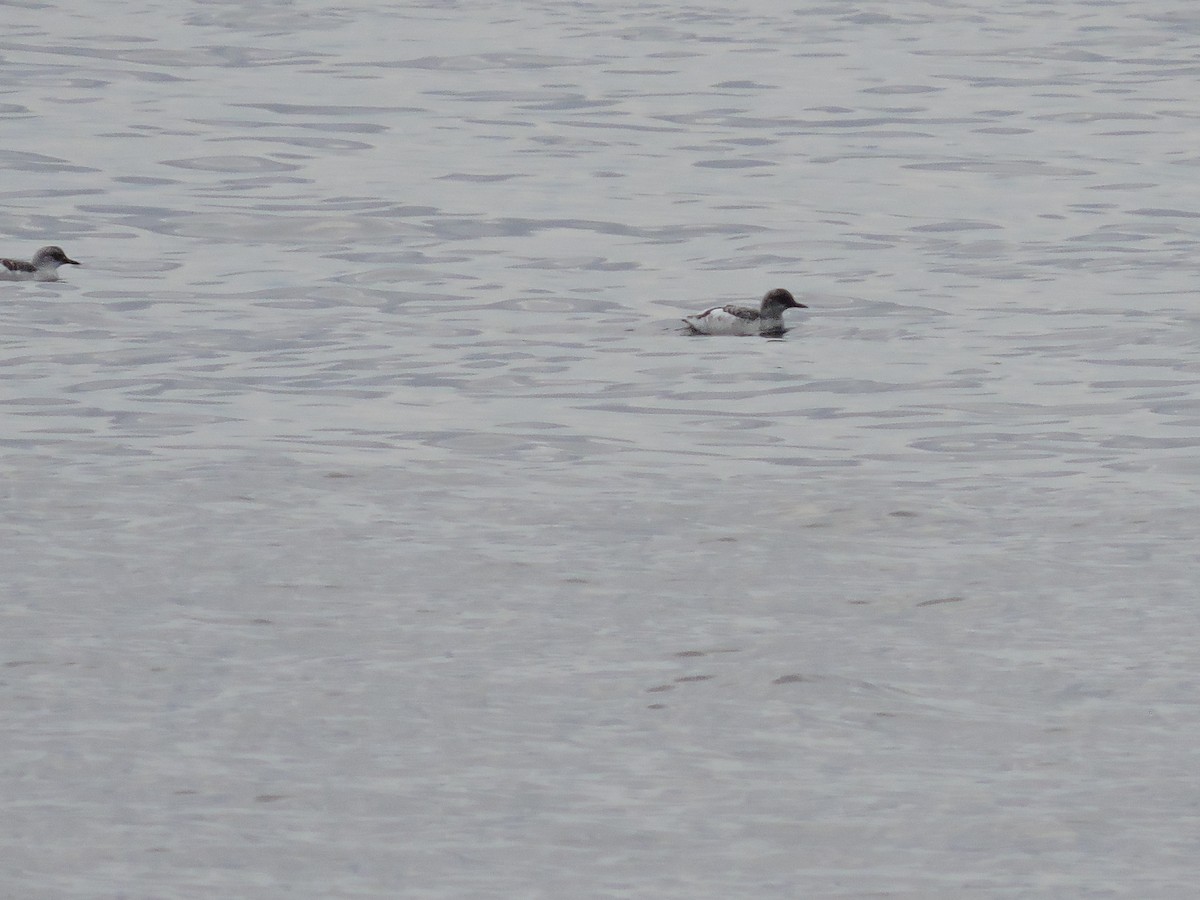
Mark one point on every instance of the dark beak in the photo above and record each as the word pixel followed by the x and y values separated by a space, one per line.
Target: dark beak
pixel 72 262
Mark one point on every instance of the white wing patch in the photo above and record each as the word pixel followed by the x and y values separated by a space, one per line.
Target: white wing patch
pixel 719 320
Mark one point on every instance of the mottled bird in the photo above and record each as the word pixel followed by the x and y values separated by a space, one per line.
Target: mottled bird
pixel 733 319
pixel 43 266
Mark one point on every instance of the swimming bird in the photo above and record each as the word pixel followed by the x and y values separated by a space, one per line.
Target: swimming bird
pixel 766 320
pixel 43 266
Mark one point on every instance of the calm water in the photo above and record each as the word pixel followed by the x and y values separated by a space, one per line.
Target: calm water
pixel 371 530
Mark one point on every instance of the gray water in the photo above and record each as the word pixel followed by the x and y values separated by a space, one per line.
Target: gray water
pixel 371 529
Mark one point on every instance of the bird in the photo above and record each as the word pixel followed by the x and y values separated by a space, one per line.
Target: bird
pixel 43 266
pixel 766 320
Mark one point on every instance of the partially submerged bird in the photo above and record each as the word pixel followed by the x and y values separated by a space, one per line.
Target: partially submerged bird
pixel 43 266
pixel 766 320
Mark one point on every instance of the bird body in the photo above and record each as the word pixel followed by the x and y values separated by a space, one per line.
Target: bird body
pixel 732 319
pixel 43 266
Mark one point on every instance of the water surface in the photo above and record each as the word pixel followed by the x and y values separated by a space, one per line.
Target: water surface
pixel 371 528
